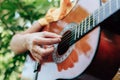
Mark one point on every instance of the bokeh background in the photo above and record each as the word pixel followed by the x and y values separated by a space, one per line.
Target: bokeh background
pixel 16 16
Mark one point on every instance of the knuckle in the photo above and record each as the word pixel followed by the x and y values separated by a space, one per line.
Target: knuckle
pixel 40 57
pixel 49 41
pixel 34 41
pixel 45 31
pixel 33 49
pixel 43 51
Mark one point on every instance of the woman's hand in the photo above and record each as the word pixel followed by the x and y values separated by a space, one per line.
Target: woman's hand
pixel 40 44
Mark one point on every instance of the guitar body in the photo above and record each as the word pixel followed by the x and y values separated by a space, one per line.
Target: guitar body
pixel 90 58
pixel 107 59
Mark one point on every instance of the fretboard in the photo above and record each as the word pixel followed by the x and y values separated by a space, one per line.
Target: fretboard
pixel 93 20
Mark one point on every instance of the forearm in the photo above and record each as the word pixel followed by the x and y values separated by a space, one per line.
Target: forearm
pixel 17 43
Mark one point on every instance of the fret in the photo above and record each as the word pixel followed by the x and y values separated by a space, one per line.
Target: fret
pixel 75 36
pixel 98 17
pixel 81 28
pixel 89 21
pixel 93 18
pixel 92 22
pixel 117 4
pixel 109 6
pixel 85 25
pixel 103 11
pixel 106 10
pixel 113 7
pixel 78 31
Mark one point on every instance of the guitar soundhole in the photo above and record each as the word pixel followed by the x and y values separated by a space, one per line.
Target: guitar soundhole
pixel 64 45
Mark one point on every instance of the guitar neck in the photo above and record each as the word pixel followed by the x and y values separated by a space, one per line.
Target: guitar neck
pixel 93 20
pixel 105 11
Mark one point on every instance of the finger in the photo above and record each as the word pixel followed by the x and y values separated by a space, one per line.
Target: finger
pixel 51 35
pixel 47 41
pixel 37 49
pixel 44 51
pixel 47 46
pixel 37 57
pixel 47 51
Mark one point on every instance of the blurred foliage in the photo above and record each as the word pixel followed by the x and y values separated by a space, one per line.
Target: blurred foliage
pixel 16 16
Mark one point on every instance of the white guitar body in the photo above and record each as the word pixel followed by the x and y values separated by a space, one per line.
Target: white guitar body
pixel 49 70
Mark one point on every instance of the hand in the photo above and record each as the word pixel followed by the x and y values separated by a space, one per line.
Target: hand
pixel 36 42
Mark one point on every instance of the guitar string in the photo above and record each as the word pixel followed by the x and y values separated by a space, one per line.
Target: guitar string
pixel 87 22
pixel 79 24
pixel 68 38
pixel 96 15
pixel 90 21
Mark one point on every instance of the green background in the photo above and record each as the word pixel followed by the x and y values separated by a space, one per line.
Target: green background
pixel 16 16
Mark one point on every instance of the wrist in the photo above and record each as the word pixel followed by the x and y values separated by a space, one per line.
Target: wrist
pixel 26 41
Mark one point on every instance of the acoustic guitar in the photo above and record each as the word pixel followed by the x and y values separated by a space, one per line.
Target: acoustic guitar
pixel 86 51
